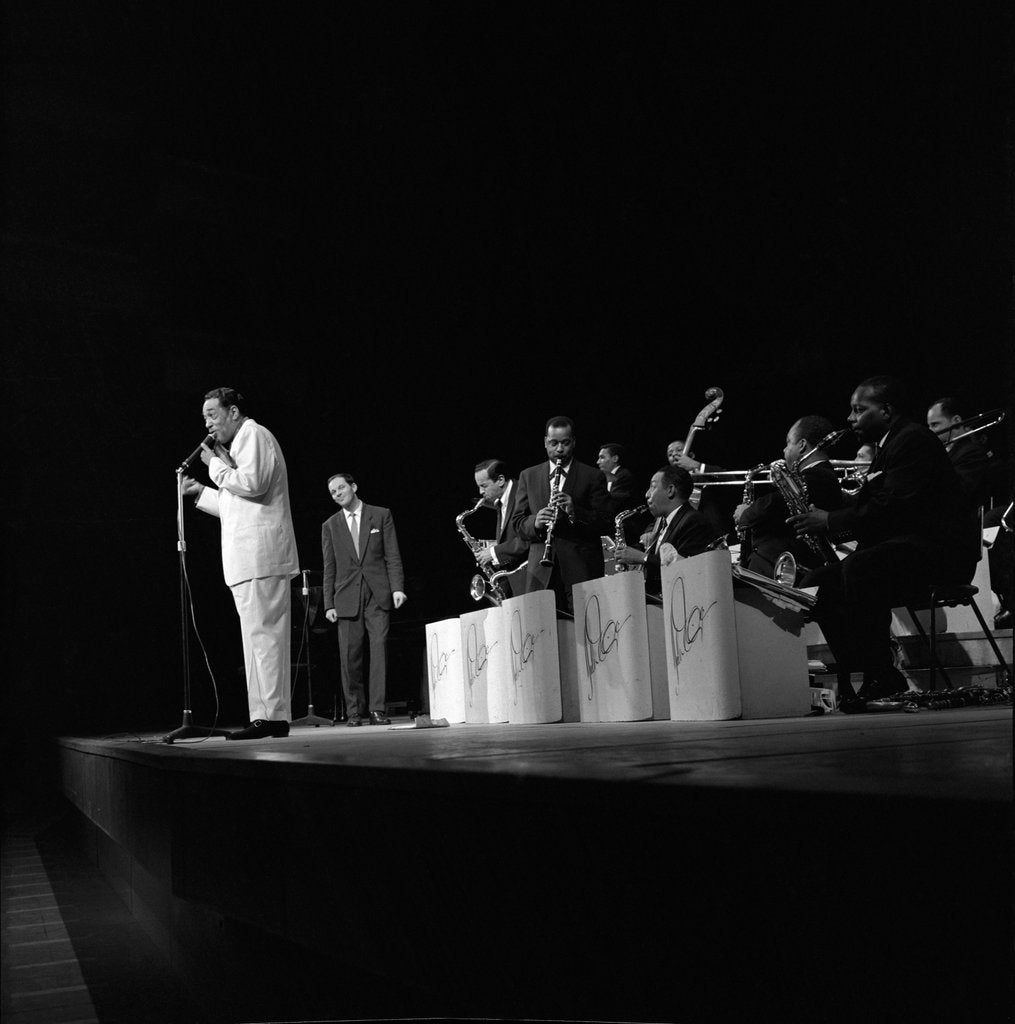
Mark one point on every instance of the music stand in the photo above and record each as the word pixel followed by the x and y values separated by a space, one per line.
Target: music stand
pixel 187 729
pixel 309 719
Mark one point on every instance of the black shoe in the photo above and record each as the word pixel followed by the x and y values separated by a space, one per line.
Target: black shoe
pixel 379 718
pixel 885 683
pixel 852 705
pixel 355 720
pixel 260 730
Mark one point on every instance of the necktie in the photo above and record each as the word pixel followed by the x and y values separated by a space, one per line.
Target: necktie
pixel 354 532
pixel 659 532
pixel 500 517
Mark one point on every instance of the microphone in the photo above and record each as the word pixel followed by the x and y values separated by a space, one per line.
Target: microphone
pixel 209 441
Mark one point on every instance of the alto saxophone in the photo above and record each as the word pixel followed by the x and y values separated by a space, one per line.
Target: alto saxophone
pixel 793 488
pixel 558 472
pixel 478 586
pixel 743 533
pixel 618 533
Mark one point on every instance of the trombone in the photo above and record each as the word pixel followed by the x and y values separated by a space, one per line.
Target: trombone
pixel 997 414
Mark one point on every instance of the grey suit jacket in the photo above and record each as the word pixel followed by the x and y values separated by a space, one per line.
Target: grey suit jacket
pixel 378 566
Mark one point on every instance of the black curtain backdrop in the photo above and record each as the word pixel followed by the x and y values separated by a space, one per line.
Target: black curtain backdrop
pixel 410 233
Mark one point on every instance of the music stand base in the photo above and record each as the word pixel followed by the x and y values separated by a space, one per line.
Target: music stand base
pixel 190 731
pixel 310 719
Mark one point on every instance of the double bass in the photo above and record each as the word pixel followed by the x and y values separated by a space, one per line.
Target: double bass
pixel 705 418
pixel 708 415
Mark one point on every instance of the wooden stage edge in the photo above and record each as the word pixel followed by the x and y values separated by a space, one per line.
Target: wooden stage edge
pixel 656 871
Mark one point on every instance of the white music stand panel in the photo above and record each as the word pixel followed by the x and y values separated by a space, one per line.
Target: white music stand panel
pixel 611 649
pixel 445 670
pixel 700 630
pixel 534 690
pixel 772 655
pixel 486 665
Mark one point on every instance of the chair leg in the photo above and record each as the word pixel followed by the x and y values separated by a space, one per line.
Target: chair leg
pixel 1005 673
pixel 931 644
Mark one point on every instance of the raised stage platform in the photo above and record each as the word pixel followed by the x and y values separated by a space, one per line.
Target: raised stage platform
pixel 820 868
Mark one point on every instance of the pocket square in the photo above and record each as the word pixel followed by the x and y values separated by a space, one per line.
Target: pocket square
pixel 375 530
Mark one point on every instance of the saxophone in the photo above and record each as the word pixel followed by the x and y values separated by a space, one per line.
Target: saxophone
pixel 478 586
pixel 793 488
pixel 618 533
pixel 743 533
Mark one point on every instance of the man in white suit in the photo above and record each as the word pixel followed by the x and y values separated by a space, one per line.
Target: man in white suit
pixel 251 497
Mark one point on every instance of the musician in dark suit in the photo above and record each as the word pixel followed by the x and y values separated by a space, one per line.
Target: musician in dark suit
pixel 620 482
pixel 580 514
pixel 970 453
pixel 677 523
pixel 768 534
pixel 363 581
pixel 986 483
pixel 909 520
pixel 508 550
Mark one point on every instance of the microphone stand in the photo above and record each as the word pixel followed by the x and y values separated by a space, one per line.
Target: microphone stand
pixel 187 729
pixel 309 719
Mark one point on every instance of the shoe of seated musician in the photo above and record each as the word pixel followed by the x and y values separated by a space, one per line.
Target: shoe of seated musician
pixel 261 729
pixel 355 719
pixel 379 718
pixel 886 682
pixel 852 705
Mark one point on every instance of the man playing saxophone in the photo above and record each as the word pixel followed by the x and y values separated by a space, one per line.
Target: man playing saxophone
pixel 677 523
pixel 765 517
pixel 909 520
pixel 508 550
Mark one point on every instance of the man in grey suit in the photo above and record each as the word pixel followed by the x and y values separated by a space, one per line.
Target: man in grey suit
pixel 363 581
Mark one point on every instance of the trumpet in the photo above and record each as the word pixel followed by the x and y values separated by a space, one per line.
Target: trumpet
pixel 618 532
pixel 558 472
pixel 489 578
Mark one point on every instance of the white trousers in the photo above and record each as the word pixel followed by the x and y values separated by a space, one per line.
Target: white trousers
pixel 265 609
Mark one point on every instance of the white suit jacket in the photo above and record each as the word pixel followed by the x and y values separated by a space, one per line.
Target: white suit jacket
pixel 252 501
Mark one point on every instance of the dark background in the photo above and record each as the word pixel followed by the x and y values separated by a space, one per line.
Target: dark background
pixel 409 233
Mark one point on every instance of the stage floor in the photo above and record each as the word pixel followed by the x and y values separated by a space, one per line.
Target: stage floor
pixel 641 871
pixel 952 754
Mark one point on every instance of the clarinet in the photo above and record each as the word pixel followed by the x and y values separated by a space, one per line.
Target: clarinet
pixel 558 472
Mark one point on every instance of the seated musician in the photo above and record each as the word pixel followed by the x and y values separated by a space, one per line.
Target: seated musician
pixel 970 453
pixel 911 528
pixel 677 523
pixel 986 482
pixel 714 503
pixel 767 534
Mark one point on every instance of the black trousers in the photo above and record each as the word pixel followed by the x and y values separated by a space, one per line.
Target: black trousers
pixel 856 596
pixel 368 629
